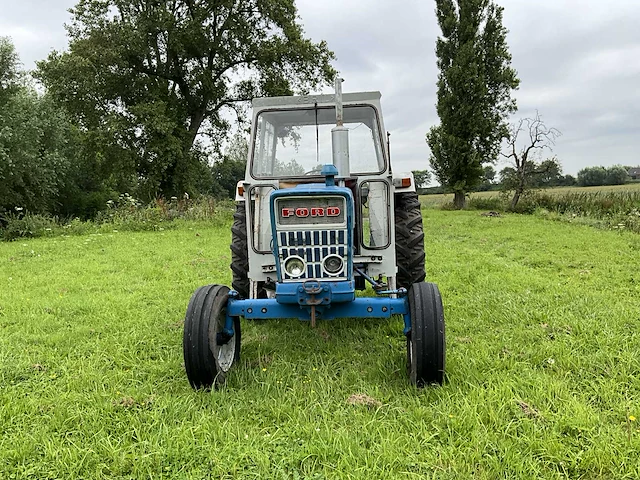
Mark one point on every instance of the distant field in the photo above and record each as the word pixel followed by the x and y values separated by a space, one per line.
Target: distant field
pixel 439 199
pixel 542 361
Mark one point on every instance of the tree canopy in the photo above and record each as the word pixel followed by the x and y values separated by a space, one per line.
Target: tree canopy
pixel 474 92
pixel 148 79
pixel 9 69
pixel 596 176
pixel 421 178
pixel 35 142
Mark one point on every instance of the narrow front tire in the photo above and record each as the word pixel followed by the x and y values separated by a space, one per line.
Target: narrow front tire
pixel 205 361
pixel 426 340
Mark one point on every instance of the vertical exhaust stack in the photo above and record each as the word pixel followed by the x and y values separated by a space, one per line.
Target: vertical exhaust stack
pixel 340 137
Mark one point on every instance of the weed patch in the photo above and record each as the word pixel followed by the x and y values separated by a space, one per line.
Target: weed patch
pixel 127 214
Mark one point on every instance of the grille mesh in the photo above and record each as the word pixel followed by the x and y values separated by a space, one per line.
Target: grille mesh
pixel 313 246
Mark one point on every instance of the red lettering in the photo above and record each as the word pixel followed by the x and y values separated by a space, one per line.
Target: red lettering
pixel 333 211
pixel 317 212
pixel 287 212
pixel 302 212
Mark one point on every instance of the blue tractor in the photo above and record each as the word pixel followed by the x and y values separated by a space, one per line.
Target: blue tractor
pixel 320 215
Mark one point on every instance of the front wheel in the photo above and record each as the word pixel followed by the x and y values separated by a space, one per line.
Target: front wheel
pixel 208 355
pixel 426 340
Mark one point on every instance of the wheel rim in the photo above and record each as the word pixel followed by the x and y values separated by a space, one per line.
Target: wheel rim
pixel 225 354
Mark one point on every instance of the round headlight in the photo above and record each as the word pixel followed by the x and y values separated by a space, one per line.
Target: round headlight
pixel 294 266
pixel 333 264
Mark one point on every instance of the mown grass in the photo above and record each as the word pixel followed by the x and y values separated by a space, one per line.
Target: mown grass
pixel 543 370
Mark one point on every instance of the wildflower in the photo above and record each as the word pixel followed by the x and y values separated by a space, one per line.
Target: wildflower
pixel 19 209
pixel 632 418
pixel 264 369
pixel 550 361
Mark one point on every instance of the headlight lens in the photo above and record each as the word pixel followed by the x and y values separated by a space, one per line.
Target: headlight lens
pixel 294 266
pixel 333 264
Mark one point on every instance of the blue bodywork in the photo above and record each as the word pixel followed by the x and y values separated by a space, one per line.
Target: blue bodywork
pixel 326 298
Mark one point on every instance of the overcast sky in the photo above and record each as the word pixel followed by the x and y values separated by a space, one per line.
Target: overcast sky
pixel 578 62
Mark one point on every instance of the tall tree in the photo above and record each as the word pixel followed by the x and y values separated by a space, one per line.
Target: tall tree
pixel 474 93
pixel 153 75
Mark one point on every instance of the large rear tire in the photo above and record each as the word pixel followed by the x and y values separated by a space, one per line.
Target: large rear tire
pixel 205 361
pixel 410 256
pixel 240 251
pixel 426 340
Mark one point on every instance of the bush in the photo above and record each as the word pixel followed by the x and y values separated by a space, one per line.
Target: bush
pixel 27 226
pixel 486 203
pixel 591 176
pixel 616 175
pixel 597 176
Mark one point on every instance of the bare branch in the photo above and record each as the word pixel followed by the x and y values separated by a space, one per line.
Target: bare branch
pixel 540 137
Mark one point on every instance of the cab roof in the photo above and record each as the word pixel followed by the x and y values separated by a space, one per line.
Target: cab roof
pixel 311 100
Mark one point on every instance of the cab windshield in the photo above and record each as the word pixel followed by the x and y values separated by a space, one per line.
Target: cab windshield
pixel 291 143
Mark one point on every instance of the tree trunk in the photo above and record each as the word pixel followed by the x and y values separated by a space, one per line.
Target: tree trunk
pixel 459 199
pixel 515 200
pixel 518 192
pixel 196 120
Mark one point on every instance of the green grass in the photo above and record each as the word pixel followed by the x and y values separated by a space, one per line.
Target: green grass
pixel 542 344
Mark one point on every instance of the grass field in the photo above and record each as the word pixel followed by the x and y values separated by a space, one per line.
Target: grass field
pixel 542 344
pixel 442 198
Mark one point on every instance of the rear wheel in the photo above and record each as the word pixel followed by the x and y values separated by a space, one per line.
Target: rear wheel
pixel 426 340
pixel 208 355
pixel 409 240
pixel 240 251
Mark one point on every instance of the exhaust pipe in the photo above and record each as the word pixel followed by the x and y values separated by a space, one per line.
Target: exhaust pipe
pixel 340 136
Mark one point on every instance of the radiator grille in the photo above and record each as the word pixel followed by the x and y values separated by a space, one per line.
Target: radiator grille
pixel 313 246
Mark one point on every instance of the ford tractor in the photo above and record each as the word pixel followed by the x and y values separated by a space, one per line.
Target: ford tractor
pixel 319 216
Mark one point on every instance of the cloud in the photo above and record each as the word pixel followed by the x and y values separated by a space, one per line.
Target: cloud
pixel 578 61
pixel 35 27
